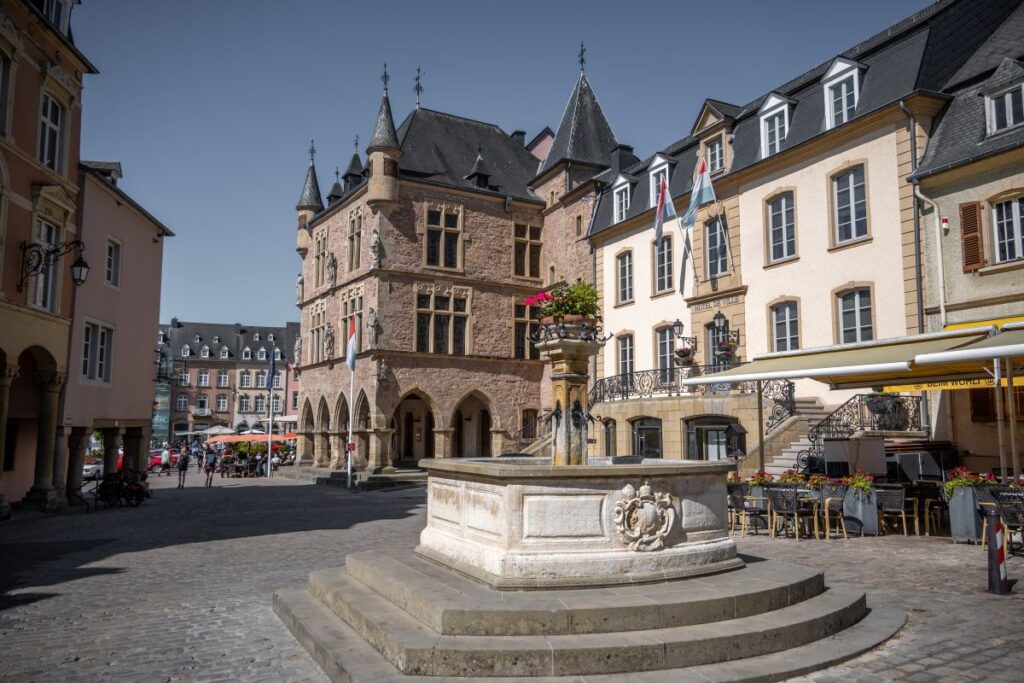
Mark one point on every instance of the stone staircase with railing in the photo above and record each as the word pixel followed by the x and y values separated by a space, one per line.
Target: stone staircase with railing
pixel 811 411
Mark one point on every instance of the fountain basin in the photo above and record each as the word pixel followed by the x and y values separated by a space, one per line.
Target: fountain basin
pixel 523 523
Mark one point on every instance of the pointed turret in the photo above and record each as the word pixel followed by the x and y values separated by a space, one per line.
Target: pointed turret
pixel 354 173
pixel 480 174
pixel 584 134
pixel 337 191
pixel 383 154
pixel 309 204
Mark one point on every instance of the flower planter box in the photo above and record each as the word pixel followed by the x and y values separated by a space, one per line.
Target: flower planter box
pixel 860 511
pixel 964 520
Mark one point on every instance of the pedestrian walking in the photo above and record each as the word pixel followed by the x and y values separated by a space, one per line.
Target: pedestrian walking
pixel 183 462
pixel 210 466
pixel 165 462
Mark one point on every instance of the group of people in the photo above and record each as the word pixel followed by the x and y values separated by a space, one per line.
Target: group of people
pixel 206 458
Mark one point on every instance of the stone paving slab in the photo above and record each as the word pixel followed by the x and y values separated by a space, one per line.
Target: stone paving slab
pixel 180 588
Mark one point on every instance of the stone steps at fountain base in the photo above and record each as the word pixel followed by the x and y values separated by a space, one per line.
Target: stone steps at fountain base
pixel 346 657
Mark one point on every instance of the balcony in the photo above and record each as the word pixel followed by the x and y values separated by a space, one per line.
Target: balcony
pixel 653 383
pixel 201 412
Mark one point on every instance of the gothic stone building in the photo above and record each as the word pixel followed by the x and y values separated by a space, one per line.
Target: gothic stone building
pixel 431 249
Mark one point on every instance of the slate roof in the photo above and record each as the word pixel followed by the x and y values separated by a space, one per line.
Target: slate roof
pixel 337 190
pixel 235 337
pixel 310 197
pixel 355 166
pixel 384 128
pixel 584 133
pixel 441 148
pixel 926 51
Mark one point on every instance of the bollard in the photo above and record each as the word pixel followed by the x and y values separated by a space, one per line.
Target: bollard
pixel 997 582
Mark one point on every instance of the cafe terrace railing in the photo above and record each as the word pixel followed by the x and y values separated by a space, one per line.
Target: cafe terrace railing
pixel 861 413
pixel 780 404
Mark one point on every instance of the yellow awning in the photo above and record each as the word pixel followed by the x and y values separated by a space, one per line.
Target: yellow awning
pixel 866 364
pixel 954 385
pixel 996 322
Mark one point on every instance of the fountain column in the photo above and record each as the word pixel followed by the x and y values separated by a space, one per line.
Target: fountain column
pixel 569 348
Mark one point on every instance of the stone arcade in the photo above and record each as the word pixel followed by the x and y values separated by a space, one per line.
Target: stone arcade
pixel 528 568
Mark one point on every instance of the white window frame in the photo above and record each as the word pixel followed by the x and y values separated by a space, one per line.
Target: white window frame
pixel 181 403
pixel 243 404
pixel 202 402
pixel 46 289
pixel 773 107
pixel 621 196
pixel 719 156
pixel 657 171
pixel 204 352
pixel 663 266
pixel 261 379
pixel 224 353
pixel 854 219
pixel 183 377
pixel 275 404
pixel 245 379
pixel 186 352
pixel 841 71
pixel 259 404
pixel 665 346
pixel 1009 216
pixel 277 354
pixel 1000 99
pixel 626 351
pixel 112 263
pixel 48 126
pixel 624 277
pixel 223 379
pixel 718 266
pixel 222 403
pixel 790 340
pixel 246 353
pixel 787 230
pixel 203 379
pixel 261 354
pixel 860 325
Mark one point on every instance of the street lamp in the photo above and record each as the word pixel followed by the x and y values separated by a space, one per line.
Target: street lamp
pixel 689 343
pixel 37 258
pixel 722 329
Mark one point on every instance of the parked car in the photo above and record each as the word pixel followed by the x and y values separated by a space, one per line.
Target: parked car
pixel 92 470
pixel 155 456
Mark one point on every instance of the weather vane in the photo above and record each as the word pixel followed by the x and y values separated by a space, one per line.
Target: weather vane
pixel 312 151
pixel 385 77
pixel 583 58
pixel 418 88
pixel 356 143
pixel 337 173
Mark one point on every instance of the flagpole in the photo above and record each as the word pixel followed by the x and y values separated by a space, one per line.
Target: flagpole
pixel 270 409
pixel 350 446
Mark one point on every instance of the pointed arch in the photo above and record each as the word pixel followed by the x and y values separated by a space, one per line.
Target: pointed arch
pixel 472 425
pixel 306 423
pixel 439 418
pixel 483 398
pixel 341 412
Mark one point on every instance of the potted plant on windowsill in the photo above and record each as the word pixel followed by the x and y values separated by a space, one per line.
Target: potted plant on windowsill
pixel 860 505
pixel 568 304
pixel 960 492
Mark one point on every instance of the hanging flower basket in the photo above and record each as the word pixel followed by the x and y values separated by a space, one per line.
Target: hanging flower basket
pixel 685 356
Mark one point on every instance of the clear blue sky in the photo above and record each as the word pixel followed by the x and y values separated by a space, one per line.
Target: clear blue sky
pixel 210 105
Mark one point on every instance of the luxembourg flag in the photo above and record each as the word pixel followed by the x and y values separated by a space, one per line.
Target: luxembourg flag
pixel 666 211
pixel 350 354
pixel 702 193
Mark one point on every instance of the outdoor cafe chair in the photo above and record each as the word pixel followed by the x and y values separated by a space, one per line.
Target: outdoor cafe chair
pixel 832 504
pixel 987 498
pixel 743 507
pixel 892 504
pixel 786 505
pixel 1011 511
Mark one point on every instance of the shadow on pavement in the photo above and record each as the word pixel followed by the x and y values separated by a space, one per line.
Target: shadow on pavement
pixel 40 550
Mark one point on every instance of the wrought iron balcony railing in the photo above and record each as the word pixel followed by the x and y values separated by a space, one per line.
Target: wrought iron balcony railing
pixel 201 412
pixel 861 413
pixel 652 383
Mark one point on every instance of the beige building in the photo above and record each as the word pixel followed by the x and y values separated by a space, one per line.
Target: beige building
pixel 813 241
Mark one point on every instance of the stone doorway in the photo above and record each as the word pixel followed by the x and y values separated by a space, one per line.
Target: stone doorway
pixel 414 430
pixel 471 435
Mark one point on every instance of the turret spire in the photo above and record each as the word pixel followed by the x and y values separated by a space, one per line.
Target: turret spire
pixel 310 199
pixel 337 190
pixel 384 134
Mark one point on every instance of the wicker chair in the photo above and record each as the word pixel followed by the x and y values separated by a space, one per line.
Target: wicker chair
pixel 1011 510
pixel 892 504
pixel 743 508
pixel 784 503
pixel 832 504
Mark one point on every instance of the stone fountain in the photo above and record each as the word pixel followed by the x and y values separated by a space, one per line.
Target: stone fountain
pixel 556 568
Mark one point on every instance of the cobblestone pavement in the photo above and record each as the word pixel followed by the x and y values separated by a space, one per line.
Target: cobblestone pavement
pixel 180 588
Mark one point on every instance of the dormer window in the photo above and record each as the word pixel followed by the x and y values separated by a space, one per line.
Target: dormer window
pixel 621 202
pixel 204 352
pixel 1005 109
pixel 774 125
pixel 224 352
pixel 270 337
pixel 195 339
pixel 256 336
pixel 246 353
pixel 715 157
pixel 841 85
pixel 185 351
pixel 261 354
pixel 216 339
pixel 277 354
pixel 658 174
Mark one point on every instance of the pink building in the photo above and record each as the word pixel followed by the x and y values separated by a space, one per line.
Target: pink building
pixel 111 367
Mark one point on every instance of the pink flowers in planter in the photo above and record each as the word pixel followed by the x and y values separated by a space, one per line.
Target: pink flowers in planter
pixel 539 299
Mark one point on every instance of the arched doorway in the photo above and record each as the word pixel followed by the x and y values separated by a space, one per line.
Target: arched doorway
pixel 647 441
pixel 31 427
pixel 322 440
pixel 413 423
pixel 707 438
pixel 471 423
pixel 305 440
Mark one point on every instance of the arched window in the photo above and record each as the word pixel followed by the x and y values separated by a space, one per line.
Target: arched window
pixel 261 354
pixel 609 438
pixel 246 353
pixel 204 352
pixel 647 437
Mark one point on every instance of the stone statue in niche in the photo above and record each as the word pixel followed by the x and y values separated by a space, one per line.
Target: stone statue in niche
pixel 297 351
pixel 376 250
pixel 329 341
pixel 298 288
pixel 332 269
pixel 644 519
pixel 372 328
pixel 382 370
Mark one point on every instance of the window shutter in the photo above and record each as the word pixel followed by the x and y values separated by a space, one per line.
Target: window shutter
pixel 971 240
pixel 983 406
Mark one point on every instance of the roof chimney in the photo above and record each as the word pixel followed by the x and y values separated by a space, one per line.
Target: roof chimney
pixel 519 137
pixel 622 157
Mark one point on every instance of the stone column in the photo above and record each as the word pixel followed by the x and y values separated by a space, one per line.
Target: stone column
pixel 77 441
pixel 379 457
pixel 133 448
pixel 58 500
pixel 7 375
pixel 443 446
pixel 570 359
pixel 50 384
pixel 304 449
pixel 111 442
